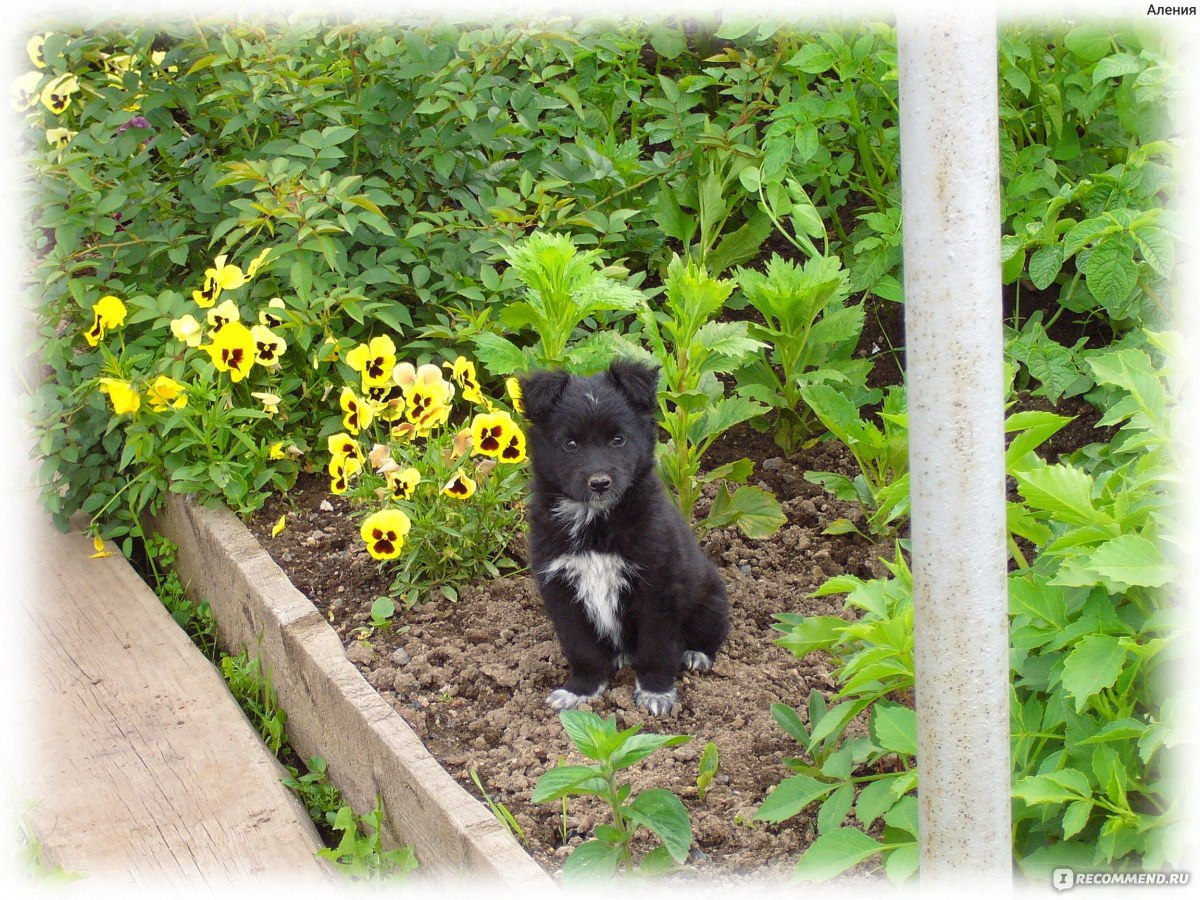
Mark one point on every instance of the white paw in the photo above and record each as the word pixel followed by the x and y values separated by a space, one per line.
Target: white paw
pixel 621 660
pixel 696 661
pixel 655 703
pixel 561 698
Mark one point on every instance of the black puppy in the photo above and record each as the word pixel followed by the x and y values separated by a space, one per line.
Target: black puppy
pixel 620 572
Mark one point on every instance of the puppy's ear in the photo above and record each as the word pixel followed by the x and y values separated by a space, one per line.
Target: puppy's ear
pixel 637 382
pixel 540 391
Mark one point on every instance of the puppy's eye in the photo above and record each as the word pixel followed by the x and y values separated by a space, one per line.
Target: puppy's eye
pixel 619 441
pixel 570 446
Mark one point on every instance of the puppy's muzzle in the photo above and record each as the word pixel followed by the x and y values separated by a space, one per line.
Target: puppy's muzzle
pixel 599 483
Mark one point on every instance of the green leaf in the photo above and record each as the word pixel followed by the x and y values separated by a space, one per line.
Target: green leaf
pixel 789 720
pixel 498 354
pixel 1089 42
pixel 1111 273
pixel 755 512
pixel 664 814
pixel 1157 247
pixel 834 853
pixel 903 862
pixel 738 470
pixel 874 800
pixel 791 796
pixel 1075 818
pixel 1062 490
pixel 835 808
pixel 592 861
pixel 563 780
pixel 639 746
pixel 1131 560
pixel 1059 787
pixel 1045 265
pixel 903 815
pixel 594 737
pixel 813 633
pixel 1115 66
pixel 813 59
pixel 707 769
pixel 1092 666
pixel 894 727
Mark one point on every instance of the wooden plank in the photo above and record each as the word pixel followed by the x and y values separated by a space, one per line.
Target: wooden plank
pixel 143 766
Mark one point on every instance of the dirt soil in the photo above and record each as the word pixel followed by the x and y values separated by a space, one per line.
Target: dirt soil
pixel 471 678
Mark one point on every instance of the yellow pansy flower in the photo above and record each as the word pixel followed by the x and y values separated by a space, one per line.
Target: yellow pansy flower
pixel 492 432
pixel 275 451
pixel 375 360
pixel 36 48
pixel 514 450
pixel 341 470
pixel 272 319
pixel 255 264
pixel 220 277
pixel 24 93
pixel 403 482
pixel 56 96
pixel 268 346
pixel 232 350
pixel 124 396
pixel 166 393
pixel 279 526
pixel 270 404
pixel 462 370
pixel 187 329
pixel 384 533
pixel 98 546
pixel 387 400
pixel 59 137
pixel 358 415
pixel 341 445
pixel 224 314
pixel 460 486
pixel 109 312
pixel 513 386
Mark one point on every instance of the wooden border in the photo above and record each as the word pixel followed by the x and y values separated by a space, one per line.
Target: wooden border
pixel 331 709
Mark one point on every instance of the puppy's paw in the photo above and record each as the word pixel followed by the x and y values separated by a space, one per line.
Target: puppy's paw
pixel 564 699
pixel 695 661
pixel 621 660
pixel 655 703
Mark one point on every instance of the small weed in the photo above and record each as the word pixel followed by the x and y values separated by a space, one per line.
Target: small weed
pixel 709 764
pixel 500 811
pixel 359 855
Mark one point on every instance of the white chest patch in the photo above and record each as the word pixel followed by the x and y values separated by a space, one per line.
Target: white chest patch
pixel 598 579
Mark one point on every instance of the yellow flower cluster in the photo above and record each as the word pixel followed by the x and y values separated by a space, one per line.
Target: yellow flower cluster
pixel 233 347
pixel 414 401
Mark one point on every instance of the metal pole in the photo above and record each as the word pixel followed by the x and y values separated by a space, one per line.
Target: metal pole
pixel 950 187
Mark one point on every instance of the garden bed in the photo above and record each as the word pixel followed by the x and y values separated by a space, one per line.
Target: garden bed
pixel 471 677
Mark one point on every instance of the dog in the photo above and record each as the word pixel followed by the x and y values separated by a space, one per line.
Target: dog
pixel 620 573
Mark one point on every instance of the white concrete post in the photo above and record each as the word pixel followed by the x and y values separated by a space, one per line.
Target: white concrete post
pixel 950 187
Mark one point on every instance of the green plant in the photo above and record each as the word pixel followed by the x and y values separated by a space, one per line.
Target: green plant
pixel 454 487
pixel 881 487
pixel 319 795
pixel 382 610
pixel 1092 632
pixel 693 348
pixel 563 289
pixel 657 810
pixel 502 813
pixel 359 854
pixel 252 689
pixel 710 762
pixel 194 618
pixel 812 334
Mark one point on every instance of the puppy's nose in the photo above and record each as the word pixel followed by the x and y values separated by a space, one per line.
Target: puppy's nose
pixel 599 483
